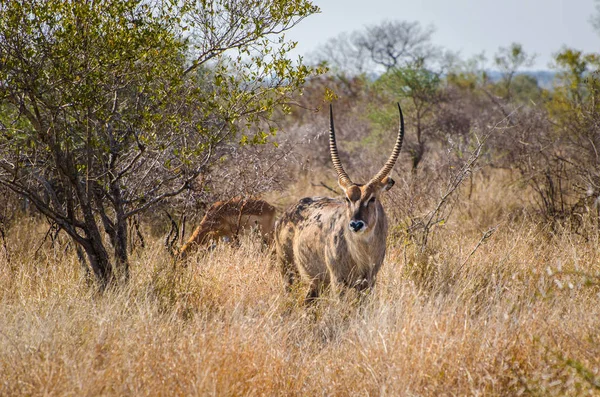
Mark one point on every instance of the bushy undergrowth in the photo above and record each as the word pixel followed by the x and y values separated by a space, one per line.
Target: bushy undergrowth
pixel 516 312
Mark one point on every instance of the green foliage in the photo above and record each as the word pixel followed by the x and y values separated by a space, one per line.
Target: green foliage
pixel 468 75
pixel 525 89
pixel 574 104
pixel 410 82
pixel 417 87
pixel 109 107
pixel 464 80
pixel 574 67
pixel 66 65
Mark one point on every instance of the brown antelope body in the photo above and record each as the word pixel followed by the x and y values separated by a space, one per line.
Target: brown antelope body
pixel 227 219
pixel 341 241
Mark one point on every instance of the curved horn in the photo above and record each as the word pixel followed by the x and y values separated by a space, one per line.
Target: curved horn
pixel 343 178
pixel 387 168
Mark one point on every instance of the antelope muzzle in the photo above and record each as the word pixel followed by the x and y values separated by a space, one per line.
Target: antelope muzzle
pixel 357 226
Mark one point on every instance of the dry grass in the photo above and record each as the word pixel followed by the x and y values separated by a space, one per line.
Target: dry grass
pixel 518 316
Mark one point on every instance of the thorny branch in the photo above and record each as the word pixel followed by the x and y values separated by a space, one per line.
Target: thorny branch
pixel 435 216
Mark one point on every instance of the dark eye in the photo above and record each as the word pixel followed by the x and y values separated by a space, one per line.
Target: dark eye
pixel 372 200
pixel 347 200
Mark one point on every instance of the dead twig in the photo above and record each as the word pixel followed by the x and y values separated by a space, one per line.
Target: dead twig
pixel 482 240
pixel 322 184
pixel 436 216
pixel 54 227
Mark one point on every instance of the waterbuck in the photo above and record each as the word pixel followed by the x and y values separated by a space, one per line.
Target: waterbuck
pixel 337 241
pixel 227 219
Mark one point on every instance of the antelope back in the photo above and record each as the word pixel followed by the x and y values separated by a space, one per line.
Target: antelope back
pixel 227 219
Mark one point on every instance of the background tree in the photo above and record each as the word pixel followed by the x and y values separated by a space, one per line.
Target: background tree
pixel 509 60
pixel 343 55
pixel 526 88
pixel 574 109
pixel 595 18
pixel 110 107
pixel 419 87
pixel 574 69
pixel 555 143
pixel 393 44
pixel 382 46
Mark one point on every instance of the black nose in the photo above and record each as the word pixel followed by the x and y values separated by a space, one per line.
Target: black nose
pixel 356 225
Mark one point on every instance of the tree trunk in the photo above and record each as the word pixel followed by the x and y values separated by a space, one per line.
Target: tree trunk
pixel 99 262
pixel 417 154
pixel 120 240
pixel 121 256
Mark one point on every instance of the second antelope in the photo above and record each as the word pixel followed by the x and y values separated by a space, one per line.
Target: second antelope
pixel 337 242
pixel 226 219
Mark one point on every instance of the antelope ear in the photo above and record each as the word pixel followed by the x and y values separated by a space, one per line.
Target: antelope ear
pixel 387 183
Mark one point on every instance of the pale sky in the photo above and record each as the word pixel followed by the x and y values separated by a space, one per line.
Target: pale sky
pixel 467 26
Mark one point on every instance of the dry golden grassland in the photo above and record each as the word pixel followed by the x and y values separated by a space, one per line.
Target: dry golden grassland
pixel 519 316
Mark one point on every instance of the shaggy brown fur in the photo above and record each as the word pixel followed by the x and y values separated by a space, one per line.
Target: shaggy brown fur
pixel 332 242
pixel 313 241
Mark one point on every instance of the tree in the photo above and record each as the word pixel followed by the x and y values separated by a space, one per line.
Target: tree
pixel 392 44
pixel 595 19
pixel 342 55
pixel 574 67
pixel 387 45
pixel 525 89
pixel 421 88
pixel 561 158
pixel 509 61
pixel 108 108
